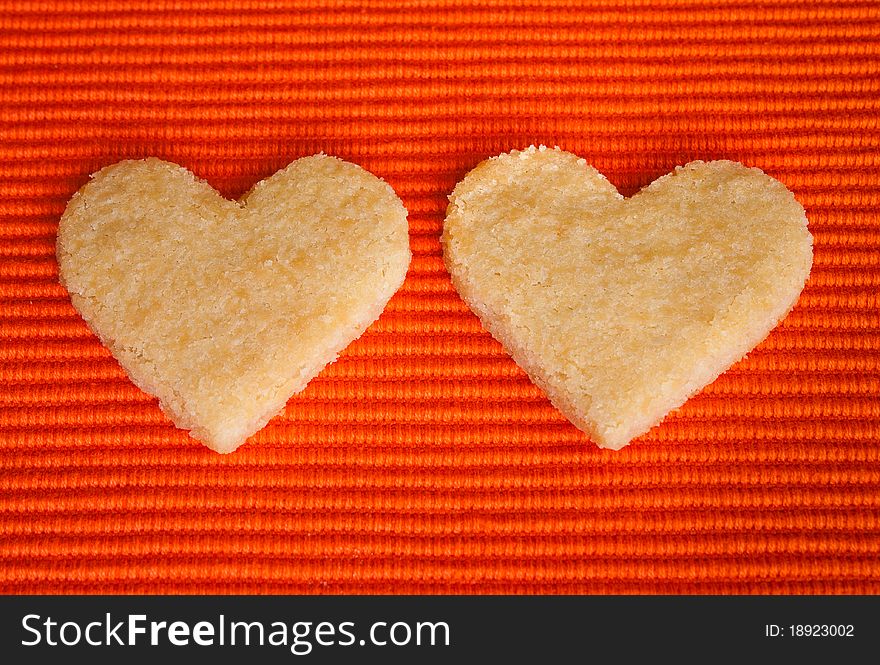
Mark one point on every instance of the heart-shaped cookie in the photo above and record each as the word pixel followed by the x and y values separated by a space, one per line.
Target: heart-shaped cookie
pixel 225 309
pixel 621 309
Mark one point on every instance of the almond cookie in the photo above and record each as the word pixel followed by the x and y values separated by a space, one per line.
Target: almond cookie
pixel 224 309
pixel 621 309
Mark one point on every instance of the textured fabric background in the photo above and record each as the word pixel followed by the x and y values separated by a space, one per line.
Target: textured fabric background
pixel 424 460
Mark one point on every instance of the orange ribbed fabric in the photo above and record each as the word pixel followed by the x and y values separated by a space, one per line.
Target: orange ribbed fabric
pixel 424 460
